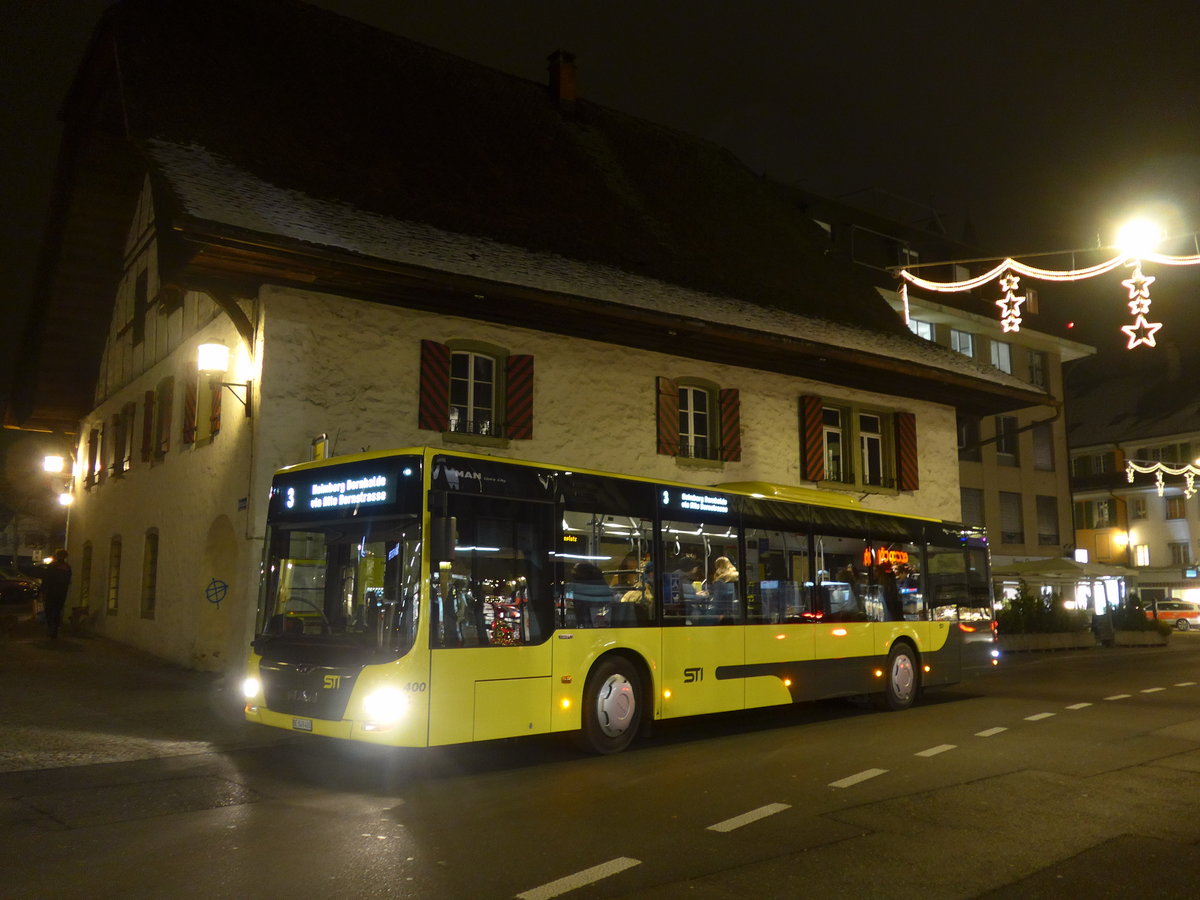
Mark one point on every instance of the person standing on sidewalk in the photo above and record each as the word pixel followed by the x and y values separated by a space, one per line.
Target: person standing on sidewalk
pixel 55 580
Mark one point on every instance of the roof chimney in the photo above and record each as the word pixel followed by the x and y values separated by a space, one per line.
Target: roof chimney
pixel 562 79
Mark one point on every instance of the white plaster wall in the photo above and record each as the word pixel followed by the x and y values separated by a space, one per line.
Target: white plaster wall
pixel 192 497
pixel 350 369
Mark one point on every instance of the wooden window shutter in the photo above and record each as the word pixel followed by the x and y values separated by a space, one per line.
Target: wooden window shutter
pixel 148 426
pixel 518 412
pixel 216 391
pixel 166 405
pixel 731 424
pixel 93 451
pixel 105 440
pixel 668 417
pixel 433 411
pixel 117 458
pixel 906 452
pixel 190 391
pixel 812 438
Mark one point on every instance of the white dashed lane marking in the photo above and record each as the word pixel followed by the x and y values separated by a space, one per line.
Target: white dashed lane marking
pixel 934 751
pixel 1119 697
pixel 1185 683
pixel 1079 706
pixel 1152 690
pixel 990 732
pixel 1037 717
pixel 746 818
pixel 580 879
pixel 852 780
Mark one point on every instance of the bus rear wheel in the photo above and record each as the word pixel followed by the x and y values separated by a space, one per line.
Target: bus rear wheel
pixel 903 679
pixel 612 707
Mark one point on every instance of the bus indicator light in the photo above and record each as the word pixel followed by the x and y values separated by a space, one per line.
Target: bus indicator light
pixel 838 632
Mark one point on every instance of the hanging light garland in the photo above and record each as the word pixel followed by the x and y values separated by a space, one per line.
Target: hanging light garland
pixel 1158 469
pixel 1140 332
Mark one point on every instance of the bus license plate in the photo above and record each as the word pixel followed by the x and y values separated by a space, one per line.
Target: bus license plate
pixel 302 724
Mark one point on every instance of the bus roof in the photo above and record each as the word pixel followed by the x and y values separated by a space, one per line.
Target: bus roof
pixel 757 489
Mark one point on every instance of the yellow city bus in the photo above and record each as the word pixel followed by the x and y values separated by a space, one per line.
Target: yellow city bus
pixel 423 597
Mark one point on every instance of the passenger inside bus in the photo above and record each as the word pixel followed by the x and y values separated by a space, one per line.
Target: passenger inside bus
pixel 590 595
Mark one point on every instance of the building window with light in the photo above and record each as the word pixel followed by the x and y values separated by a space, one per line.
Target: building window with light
pixel 1006 441
pixel 1043 447
pixel 1002 356
pixel 1038 369
pixel 1141 555
pixel 862 448
pixel 1175 507
pixel 698 420
pixel 1012 525
pixel 921 328
pixel 969 438
pixel 972 505
pixel 695 417
pixel 1137 508
pixel 962 342
pixel 1047 521
pixel 1181 553
pixel 468 388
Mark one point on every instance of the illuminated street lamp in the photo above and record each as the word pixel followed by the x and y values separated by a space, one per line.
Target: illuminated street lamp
pixel 1138 237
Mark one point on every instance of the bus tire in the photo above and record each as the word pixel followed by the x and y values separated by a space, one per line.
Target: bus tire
pixel 903 679
pixel 612 706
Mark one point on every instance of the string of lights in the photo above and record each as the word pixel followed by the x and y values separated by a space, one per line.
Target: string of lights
pixel 1009 271
pixel 1159 469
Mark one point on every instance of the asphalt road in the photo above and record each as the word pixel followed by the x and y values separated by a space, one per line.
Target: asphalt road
pixel 1057 775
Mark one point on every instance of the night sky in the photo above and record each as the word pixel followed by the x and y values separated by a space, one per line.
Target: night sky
pixel 1045 122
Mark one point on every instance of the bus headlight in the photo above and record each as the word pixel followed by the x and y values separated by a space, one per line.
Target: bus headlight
pixel 385 705
pixel 251 687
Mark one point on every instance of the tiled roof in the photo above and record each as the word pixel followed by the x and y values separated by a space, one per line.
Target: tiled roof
pixel 276 117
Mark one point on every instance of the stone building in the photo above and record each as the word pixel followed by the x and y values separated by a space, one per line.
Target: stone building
pixel 399 247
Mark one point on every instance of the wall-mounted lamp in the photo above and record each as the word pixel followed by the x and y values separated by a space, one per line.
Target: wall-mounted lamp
pixel 212 359
pixel 55 464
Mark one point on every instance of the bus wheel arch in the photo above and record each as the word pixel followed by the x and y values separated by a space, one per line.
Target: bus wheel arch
pixel 615 704
pixel 902 677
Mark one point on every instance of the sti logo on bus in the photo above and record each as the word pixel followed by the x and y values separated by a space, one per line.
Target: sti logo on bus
pixel 692 675
pixel 333 682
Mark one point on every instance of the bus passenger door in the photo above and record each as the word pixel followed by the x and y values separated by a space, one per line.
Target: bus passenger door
pixel 703 638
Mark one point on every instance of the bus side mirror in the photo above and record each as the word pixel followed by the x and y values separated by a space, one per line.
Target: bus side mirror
pixel 442 531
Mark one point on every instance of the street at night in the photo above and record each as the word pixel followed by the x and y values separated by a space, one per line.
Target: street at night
pixel 1057 774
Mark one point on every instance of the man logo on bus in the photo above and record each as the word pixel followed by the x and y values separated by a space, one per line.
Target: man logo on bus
pixel 692 675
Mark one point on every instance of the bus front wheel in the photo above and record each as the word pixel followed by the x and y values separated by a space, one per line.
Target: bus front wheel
pixel 903 679
pixel 612 709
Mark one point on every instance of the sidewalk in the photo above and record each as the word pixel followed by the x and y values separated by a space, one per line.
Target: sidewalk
pixel 83 700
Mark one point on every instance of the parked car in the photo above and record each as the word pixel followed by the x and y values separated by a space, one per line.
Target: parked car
pixel 1182 614
pixel 17 591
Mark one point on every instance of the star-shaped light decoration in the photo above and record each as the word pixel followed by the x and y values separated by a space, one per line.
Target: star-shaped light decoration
pixel 1141 332
pixel 1010 304
pixel 1138 284
pixel 1139 306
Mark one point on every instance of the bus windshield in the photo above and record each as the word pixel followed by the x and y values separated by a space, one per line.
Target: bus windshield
pixel 344 583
